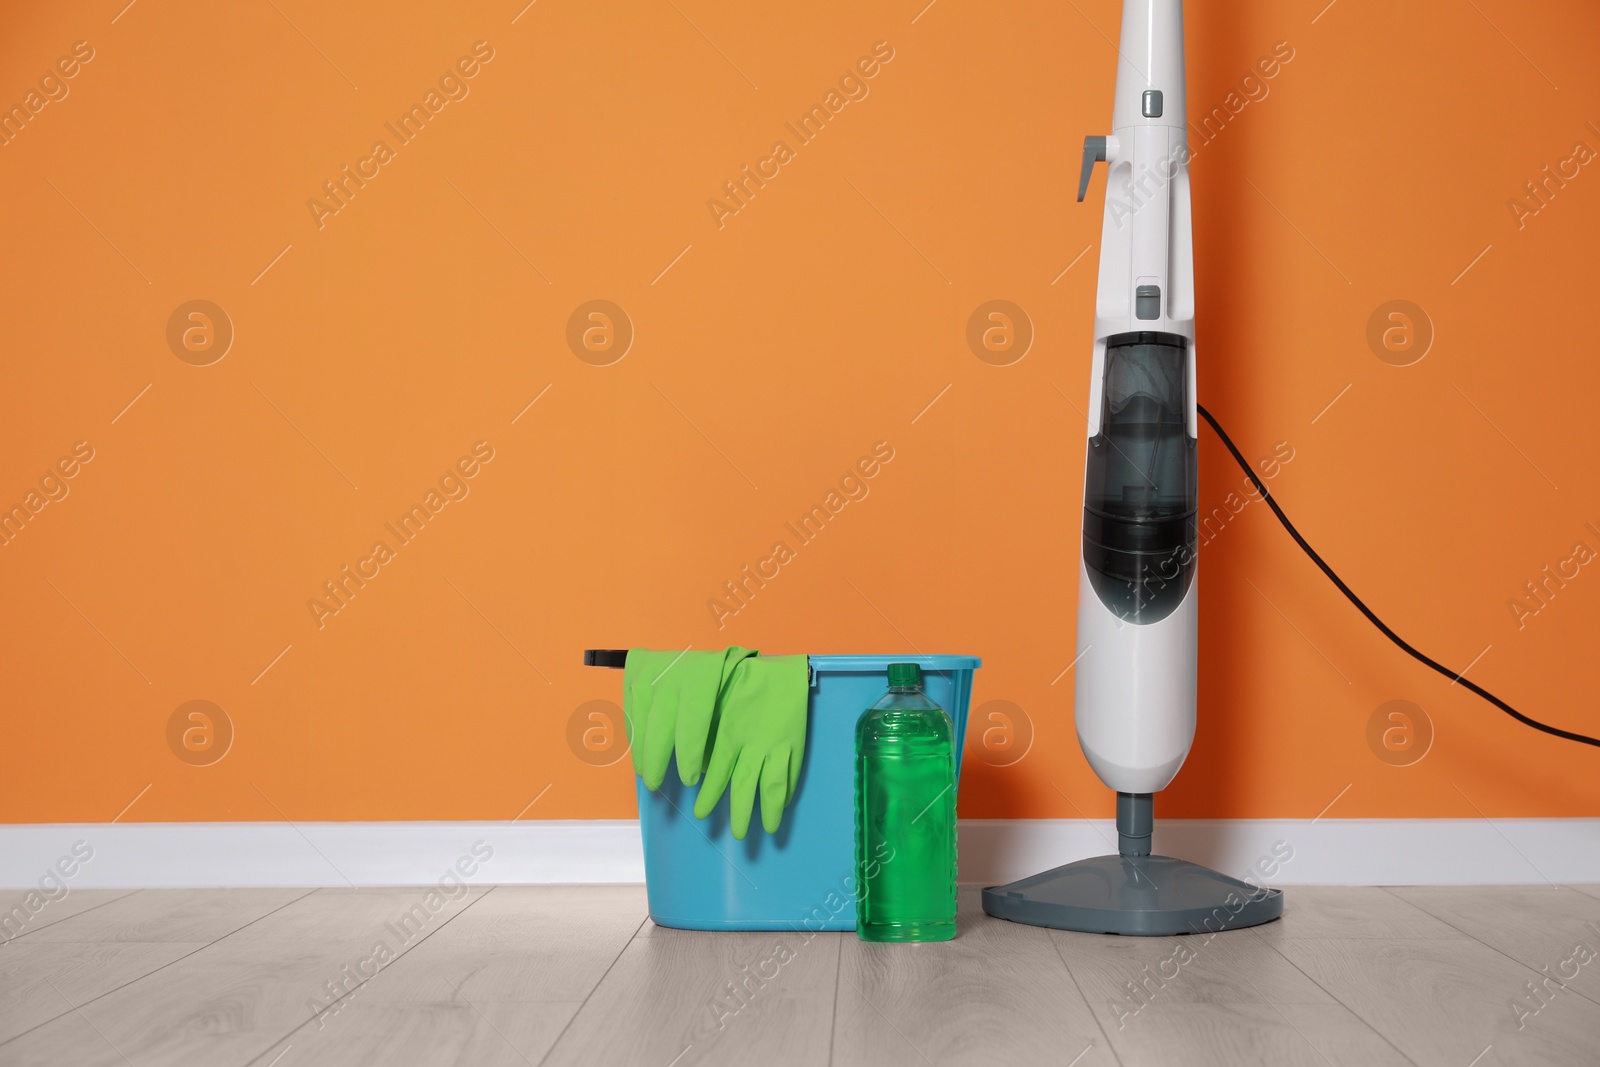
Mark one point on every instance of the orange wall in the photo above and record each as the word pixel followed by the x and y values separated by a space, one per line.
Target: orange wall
pixel 777 349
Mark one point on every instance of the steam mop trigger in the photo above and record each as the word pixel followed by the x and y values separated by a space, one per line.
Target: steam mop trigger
pixel 1094 151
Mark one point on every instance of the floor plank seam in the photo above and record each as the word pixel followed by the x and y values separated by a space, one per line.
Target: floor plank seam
pixel 402 955
pixel 69 918
pixel 1335 998
pixel 1469 935
pixel 1055 942
pixel 147 974
pixel 833 1030
pixel 590 995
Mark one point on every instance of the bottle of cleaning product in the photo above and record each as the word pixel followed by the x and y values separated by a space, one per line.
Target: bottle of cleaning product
pixel 905 815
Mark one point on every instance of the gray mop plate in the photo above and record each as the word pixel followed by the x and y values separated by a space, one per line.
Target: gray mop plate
pixel 1146 896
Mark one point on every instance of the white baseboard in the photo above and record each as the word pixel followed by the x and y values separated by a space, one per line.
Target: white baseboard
pixel 325 853
pixel 1324 852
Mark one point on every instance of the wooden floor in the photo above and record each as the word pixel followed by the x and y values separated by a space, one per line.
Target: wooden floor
pixel 578 975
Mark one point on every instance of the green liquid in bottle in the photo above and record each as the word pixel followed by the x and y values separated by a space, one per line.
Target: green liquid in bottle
pixel 905 815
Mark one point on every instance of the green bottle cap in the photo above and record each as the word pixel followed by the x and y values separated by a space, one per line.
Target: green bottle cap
pixel 904 674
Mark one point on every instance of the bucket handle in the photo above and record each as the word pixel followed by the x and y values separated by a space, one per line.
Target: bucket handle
pixel 617 658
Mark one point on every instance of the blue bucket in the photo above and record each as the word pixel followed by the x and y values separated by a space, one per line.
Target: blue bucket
pixel 803 877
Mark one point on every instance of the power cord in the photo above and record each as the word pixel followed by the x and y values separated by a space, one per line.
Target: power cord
pixel 1369 613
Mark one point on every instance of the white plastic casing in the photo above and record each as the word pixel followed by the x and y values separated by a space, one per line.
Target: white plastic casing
pixel 1135 684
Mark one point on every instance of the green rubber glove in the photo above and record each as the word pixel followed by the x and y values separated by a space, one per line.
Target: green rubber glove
pixel 760 739
pixel 668 700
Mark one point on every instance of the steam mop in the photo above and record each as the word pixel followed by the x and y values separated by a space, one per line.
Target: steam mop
pixel 1138 610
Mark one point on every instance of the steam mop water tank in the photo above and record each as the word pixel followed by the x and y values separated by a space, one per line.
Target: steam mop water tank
pixel 1140 484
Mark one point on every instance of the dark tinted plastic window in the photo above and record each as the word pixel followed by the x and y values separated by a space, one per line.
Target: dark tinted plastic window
pixel 1141 488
